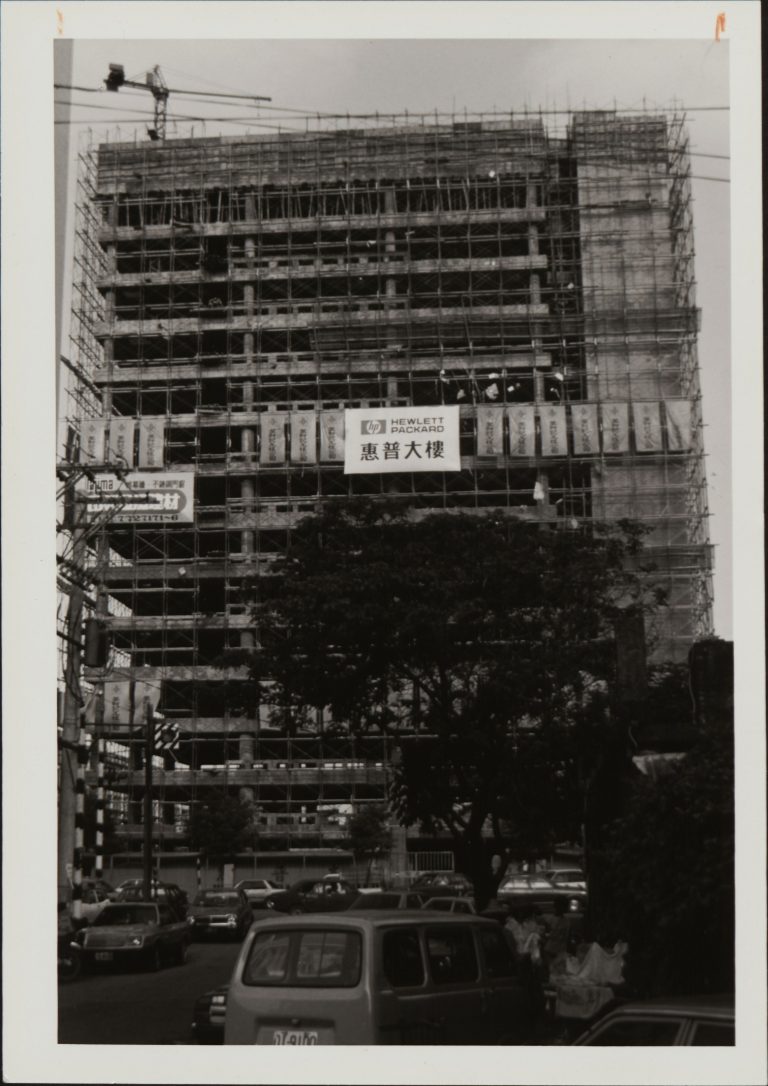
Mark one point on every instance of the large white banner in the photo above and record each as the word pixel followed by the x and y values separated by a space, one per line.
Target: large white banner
pixel 490 431
pixel 151 441
pixel 389 439
pixel 121 431
pixel 272 444
pixel 303 437
pixel 141 498
pixel 554 436
pixel 93 440
pixel 586 436
pixel 647 421
pixel 678 414
pixel 332 435
pixel 615 428
pixel 522 430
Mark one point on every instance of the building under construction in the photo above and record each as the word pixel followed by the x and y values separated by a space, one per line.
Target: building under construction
pixel 236 295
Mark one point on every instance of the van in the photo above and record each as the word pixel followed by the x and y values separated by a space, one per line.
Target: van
pixel 405 977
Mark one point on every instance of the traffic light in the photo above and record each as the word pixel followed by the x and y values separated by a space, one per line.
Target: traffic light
pixel 96 643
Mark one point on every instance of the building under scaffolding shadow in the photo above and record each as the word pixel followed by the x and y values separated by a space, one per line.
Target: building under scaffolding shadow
pixel 234 295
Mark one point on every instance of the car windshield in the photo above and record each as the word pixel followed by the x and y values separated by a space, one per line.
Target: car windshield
pixel 126 914
pixel 215 897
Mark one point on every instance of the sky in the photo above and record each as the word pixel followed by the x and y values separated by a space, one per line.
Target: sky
pixel 420 76
pixel 368 56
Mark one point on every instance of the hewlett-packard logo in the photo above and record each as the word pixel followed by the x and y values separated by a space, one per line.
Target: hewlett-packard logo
pixel 373 426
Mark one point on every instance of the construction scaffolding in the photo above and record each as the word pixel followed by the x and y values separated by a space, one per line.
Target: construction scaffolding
pixel 236 294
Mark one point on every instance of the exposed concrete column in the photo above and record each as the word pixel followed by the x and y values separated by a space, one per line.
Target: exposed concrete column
pixel 533 244
pixel 248 434
pixel 245 757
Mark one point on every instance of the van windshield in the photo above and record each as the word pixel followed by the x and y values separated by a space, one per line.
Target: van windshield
pixel 305 959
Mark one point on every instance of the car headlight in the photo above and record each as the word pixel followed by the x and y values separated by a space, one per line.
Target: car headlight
pixel 190 919
pixel 231 920
pixel 270 904
pixel 136 940
pixel 219 1000
pixel 573 905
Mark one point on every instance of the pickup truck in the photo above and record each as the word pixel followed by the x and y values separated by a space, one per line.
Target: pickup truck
pixel 135 932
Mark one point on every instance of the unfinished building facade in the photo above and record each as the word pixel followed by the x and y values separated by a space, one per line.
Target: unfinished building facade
pixel 244 291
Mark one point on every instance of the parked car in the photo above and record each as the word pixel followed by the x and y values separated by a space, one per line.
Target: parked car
pixel 435 883
pixel 521 891
pixel 257 890
pixel 452 904
pixel 135 932
pixel 684 1020
pixel 412 977
pixel 388 899
pixel 165 892
pixel 208 1016
pixel 566 878
pixel 313 896
pixel 223 912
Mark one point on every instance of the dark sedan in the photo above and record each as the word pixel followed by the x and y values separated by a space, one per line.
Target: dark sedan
pixel 313 896
pixel 389 899
pixel 223 912
pixel 535 891
pixel 438 883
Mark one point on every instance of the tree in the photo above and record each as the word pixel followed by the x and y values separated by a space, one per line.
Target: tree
pixel 478 642
pixel 368 834
pixel 671 888
pixel 220 826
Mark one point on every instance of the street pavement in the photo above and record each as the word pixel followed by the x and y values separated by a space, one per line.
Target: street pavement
pixel 129 1006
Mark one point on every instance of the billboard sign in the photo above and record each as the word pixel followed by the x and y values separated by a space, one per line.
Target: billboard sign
pixel 141 498
pixel 389 439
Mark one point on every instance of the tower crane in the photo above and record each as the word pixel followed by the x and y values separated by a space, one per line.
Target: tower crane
pixel 158 88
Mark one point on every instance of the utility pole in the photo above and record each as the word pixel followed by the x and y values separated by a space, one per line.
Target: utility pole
pixel 72 704
pixel 149 745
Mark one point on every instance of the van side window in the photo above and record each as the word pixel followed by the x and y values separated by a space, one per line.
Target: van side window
pixel 451 955
pixel 401 958
pixel 498 955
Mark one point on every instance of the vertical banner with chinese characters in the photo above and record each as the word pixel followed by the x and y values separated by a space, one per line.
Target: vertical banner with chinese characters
pixel 490 431
pixel 151 439
pixel 554 439
pixel 678 414
pixel 522 430
pixel 586 436
pixel 647 426
pixel 121 432
pixel 94 440
pixel 615 428
pixel 332 435
pixel 389 439
pixel 303 437
pixel 272 445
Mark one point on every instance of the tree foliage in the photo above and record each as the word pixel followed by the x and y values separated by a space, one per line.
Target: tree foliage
pixel 220 827
pixel 670 859
pixel 490 634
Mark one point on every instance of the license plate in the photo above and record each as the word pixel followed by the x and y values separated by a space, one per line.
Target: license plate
pixel 103 956
pixel 294 1037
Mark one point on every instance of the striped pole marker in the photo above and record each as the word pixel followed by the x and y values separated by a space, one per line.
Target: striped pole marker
pixel 77 860
pixel 99 864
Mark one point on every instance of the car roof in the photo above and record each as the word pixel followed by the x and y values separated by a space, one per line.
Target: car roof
pixel 376 918
pixel 721 1005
